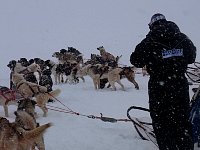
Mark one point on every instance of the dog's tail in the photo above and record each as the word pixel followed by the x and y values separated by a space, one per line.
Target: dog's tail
pixel 35 133
pixel 54 93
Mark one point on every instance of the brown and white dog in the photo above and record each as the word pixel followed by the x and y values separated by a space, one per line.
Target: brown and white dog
pixel 64 57
pixel 28 122
pixel 30 90
pixel 106 56
pixel 95 72
pixel 26 118
pixel 129 74
pixel 13 137
pixel 100 72
pixel 113 76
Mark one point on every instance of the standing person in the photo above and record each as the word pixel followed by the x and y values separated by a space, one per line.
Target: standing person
pixel 166 52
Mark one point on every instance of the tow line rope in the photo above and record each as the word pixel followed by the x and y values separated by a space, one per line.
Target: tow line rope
pixel 70 111
pixel 140 126
pixel 143 128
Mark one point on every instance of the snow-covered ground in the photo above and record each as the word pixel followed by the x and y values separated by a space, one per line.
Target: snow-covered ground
pixel 37 28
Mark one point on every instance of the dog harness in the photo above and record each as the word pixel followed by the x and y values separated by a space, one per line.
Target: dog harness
pixel 34 93
pixel 4 90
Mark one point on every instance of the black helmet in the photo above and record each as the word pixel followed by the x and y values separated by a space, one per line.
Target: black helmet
pixel 155 18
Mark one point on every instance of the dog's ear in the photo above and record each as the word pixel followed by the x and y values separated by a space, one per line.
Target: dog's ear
pixel 92 56
pixel 70 49
pixel 62 51
pixel 118 57
pixel 36 60
pixel 9 66
pixel 23 59
pixel 99 48
pixel 14 62
pixel 47 62
pixel 31 61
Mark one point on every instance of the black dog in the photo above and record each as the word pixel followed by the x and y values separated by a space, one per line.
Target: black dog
pixel 46 81
pixel 74 51
pixel 63 51
pixel 24 62
pixel 12 64
pixel 30 77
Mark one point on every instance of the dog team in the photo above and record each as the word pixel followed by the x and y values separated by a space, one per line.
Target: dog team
pixel 31 84
pixel 24 133
pixel 103 68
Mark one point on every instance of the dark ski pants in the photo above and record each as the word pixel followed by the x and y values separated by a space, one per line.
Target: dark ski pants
pixel 169 110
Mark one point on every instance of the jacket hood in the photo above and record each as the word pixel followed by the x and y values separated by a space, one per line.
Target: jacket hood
pixel 163 30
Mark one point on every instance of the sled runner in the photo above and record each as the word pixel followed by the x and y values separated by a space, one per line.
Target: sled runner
pixel 145 130
pixel 195 115
pixel 193 73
